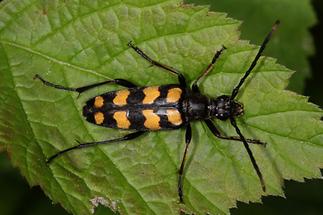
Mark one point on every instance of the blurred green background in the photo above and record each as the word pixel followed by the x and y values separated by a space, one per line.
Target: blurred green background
pixel 16 197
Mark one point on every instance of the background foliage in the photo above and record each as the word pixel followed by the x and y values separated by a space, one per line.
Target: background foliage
pixel 12 204
pixel 257 15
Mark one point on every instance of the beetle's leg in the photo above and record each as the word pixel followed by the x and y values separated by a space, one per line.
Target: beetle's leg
pixel 80 90
pixel 188 137
pixel 207 70
pixel 130 136
pixel 217 133
pixel 241 138
pixel 170 69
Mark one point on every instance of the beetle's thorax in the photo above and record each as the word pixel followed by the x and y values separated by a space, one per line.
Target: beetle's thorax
pixel 198 107
pixel 223 108
pixel 195 106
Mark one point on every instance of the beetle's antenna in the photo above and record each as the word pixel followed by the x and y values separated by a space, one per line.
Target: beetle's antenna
pixel 252 158
pixel 254 63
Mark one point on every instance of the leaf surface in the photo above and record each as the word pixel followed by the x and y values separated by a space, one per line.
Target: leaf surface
pixel 78 43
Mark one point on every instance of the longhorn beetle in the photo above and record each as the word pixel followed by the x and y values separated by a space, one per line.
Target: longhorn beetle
pixel 171 106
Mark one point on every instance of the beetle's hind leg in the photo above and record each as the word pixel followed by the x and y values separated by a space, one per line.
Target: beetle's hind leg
pixel 170 69
pixel 130 136
pixel 80 90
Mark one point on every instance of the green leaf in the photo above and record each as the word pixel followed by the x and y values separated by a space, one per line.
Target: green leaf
pixel 291 46
pixel 78 43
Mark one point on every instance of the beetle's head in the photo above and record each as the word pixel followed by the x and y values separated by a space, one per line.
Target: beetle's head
pixel 223 108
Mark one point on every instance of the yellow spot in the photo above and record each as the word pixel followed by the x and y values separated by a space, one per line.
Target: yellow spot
pixel 121 97
pixel 173 95
pixel 99 118
pixel 98 102
pixel 151 93
pixel 121 119
pixel 152 120
pixel 174 117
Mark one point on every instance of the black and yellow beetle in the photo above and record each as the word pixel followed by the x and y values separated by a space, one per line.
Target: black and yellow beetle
pixel 163 107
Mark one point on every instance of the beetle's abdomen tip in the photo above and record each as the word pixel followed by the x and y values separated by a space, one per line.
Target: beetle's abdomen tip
pixel 86 111
pixel 90 115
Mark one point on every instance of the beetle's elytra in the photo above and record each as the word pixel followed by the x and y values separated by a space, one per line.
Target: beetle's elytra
pixel 140 108
pixel 171 106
